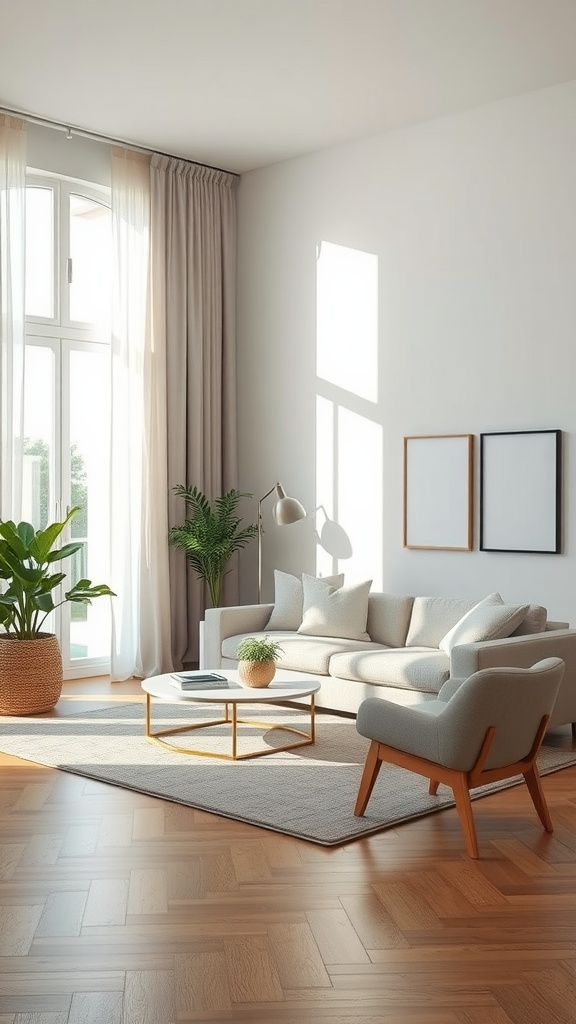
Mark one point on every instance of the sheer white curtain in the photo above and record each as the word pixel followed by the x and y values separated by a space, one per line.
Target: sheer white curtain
pixel 139 550
pixel 193 256
pixel 12 323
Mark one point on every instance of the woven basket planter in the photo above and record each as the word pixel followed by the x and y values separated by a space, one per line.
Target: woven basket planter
pixel 256 673
pixel 30 674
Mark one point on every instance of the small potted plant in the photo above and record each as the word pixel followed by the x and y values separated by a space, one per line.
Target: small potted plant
pixel 30 659
pixel 257 657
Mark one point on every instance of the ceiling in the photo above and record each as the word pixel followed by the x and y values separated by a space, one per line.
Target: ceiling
pixel 240 84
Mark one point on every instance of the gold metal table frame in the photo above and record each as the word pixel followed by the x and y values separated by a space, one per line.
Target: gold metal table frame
pixel 232 720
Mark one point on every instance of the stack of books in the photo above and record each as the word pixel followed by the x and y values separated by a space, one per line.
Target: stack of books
pixel 198 681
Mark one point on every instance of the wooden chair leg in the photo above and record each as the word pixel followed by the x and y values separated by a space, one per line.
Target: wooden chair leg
pixel 532 779
pixel 433 787
pixel 369 776
pixel 464 808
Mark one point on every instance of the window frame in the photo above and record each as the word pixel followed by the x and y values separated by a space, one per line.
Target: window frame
pixel 62 335
pixel 62 187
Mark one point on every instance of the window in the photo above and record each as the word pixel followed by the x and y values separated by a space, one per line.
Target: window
pixel 67 394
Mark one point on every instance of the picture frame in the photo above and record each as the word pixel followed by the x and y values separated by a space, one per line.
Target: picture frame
pixel 438 491
pixel 521 491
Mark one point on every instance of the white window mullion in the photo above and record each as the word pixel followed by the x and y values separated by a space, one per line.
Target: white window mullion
pixel 63 408
pixel 64 233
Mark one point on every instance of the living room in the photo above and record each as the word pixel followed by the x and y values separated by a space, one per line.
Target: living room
pixel 457 228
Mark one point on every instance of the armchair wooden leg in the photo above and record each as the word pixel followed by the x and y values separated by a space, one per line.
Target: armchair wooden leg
pixel 369 776
pixel 532 779
pixel 464 808
pixel 433 787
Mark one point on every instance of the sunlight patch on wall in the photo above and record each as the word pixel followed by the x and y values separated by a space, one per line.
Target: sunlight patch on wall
pixel 359 490
pixel 349 453
pixel 347 319
pixel 324 476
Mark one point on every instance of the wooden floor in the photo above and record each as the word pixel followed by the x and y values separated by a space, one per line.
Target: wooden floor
pixel 118 908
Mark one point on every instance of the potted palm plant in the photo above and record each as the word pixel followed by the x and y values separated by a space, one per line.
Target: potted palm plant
pixel 30 659
pixel 211 534
pixel 257 657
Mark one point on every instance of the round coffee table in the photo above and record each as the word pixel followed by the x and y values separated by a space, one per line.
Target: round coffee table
pixel 285 687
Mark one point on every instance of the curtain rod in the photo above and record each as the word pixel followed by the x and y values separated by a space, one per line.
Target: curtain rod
pixel 72 129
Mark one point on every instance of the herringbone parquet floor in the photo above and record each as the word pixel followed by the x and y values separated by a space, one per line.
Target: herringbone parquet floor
pixel 117 908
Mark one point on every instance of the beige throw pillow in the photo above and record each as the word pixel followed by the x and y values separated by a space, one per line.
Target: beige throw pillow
pixel 288 599
pixel 487 620
pixel 335 612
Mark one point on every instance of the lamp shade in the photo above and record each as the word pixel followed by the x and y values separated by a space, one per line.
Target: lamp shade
pixel 287 510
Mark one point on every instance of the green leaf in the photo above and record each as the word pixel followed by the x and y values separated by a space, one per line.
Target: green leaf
pixel 84 591
pixel 64 552
pixel 13 540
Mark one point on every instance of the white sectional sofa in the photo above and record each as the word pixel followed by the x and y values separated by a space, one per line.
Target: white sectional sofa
pixel 403 648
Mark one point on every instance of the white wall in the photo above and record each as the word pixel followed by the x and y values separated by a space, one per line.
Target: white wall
pixel 472 220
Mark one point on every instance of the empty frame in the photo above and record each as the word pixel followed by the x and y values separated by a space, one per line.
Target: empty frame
pixel 438 482
pixel 520 491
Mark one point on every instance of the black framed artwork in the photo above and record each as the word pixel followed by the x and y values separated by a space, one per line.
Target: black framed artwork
pixel 521 491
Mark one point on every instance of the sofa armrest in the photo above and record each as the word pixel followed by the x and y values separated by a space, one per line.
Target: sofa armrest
pixel 220 623
pixel 522 652
pixel 516 651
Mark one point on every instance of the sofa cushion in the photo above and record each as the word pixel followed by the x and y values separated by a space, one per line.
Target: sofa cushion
pixel 288 599
pixel 534 621
pixel 488 620
pixel 335 612
pixel 388 618
pixel 432 617
pixel 418 668
pixel 301 653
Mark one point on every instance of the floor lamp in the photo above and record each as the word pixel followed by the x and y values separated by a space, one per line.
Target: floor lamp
pixel 286 510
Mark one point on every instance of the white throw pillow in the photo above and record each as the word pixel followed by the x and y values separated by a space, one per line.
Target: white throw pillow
pixel 335 612
pixel 432 617
pixel 288 599
pixel 490 619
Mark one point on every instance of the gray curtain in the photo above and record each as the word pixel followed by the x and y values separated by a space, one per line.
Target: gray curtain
pixel 193 270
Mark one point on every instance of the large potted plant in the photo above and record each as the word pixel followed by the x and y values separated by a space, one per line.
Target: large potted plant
pixel 30 659
pixel 211 534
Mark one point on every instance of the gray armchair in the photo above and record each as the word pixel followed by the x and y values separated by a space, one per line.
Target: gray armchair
pixel 486 728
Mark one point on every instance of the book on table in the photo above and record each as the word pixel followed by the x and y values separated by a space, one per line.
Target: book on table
pixel 198 681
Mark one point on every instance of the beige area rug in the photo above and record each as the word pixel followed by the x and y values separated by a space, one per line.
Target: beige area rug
pixel 308 793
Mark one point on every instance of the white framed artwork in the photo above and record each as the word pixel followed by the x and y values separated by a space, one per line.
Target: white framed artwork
pixel 438 489
pixel 520 491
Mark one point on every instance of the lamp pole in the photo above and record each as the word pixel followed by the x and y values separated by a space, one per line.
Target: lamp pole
pixel 263 498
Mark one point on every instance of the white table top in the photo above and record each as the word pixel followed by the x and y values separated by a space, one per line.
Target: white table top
pixel 285 686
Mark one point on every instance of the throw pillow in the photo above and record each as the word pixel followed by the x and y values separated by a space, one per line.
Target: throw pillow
pixel 335 612
pixel 432 617
pixel 288 599
pixel 535 621
pixel 487 620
